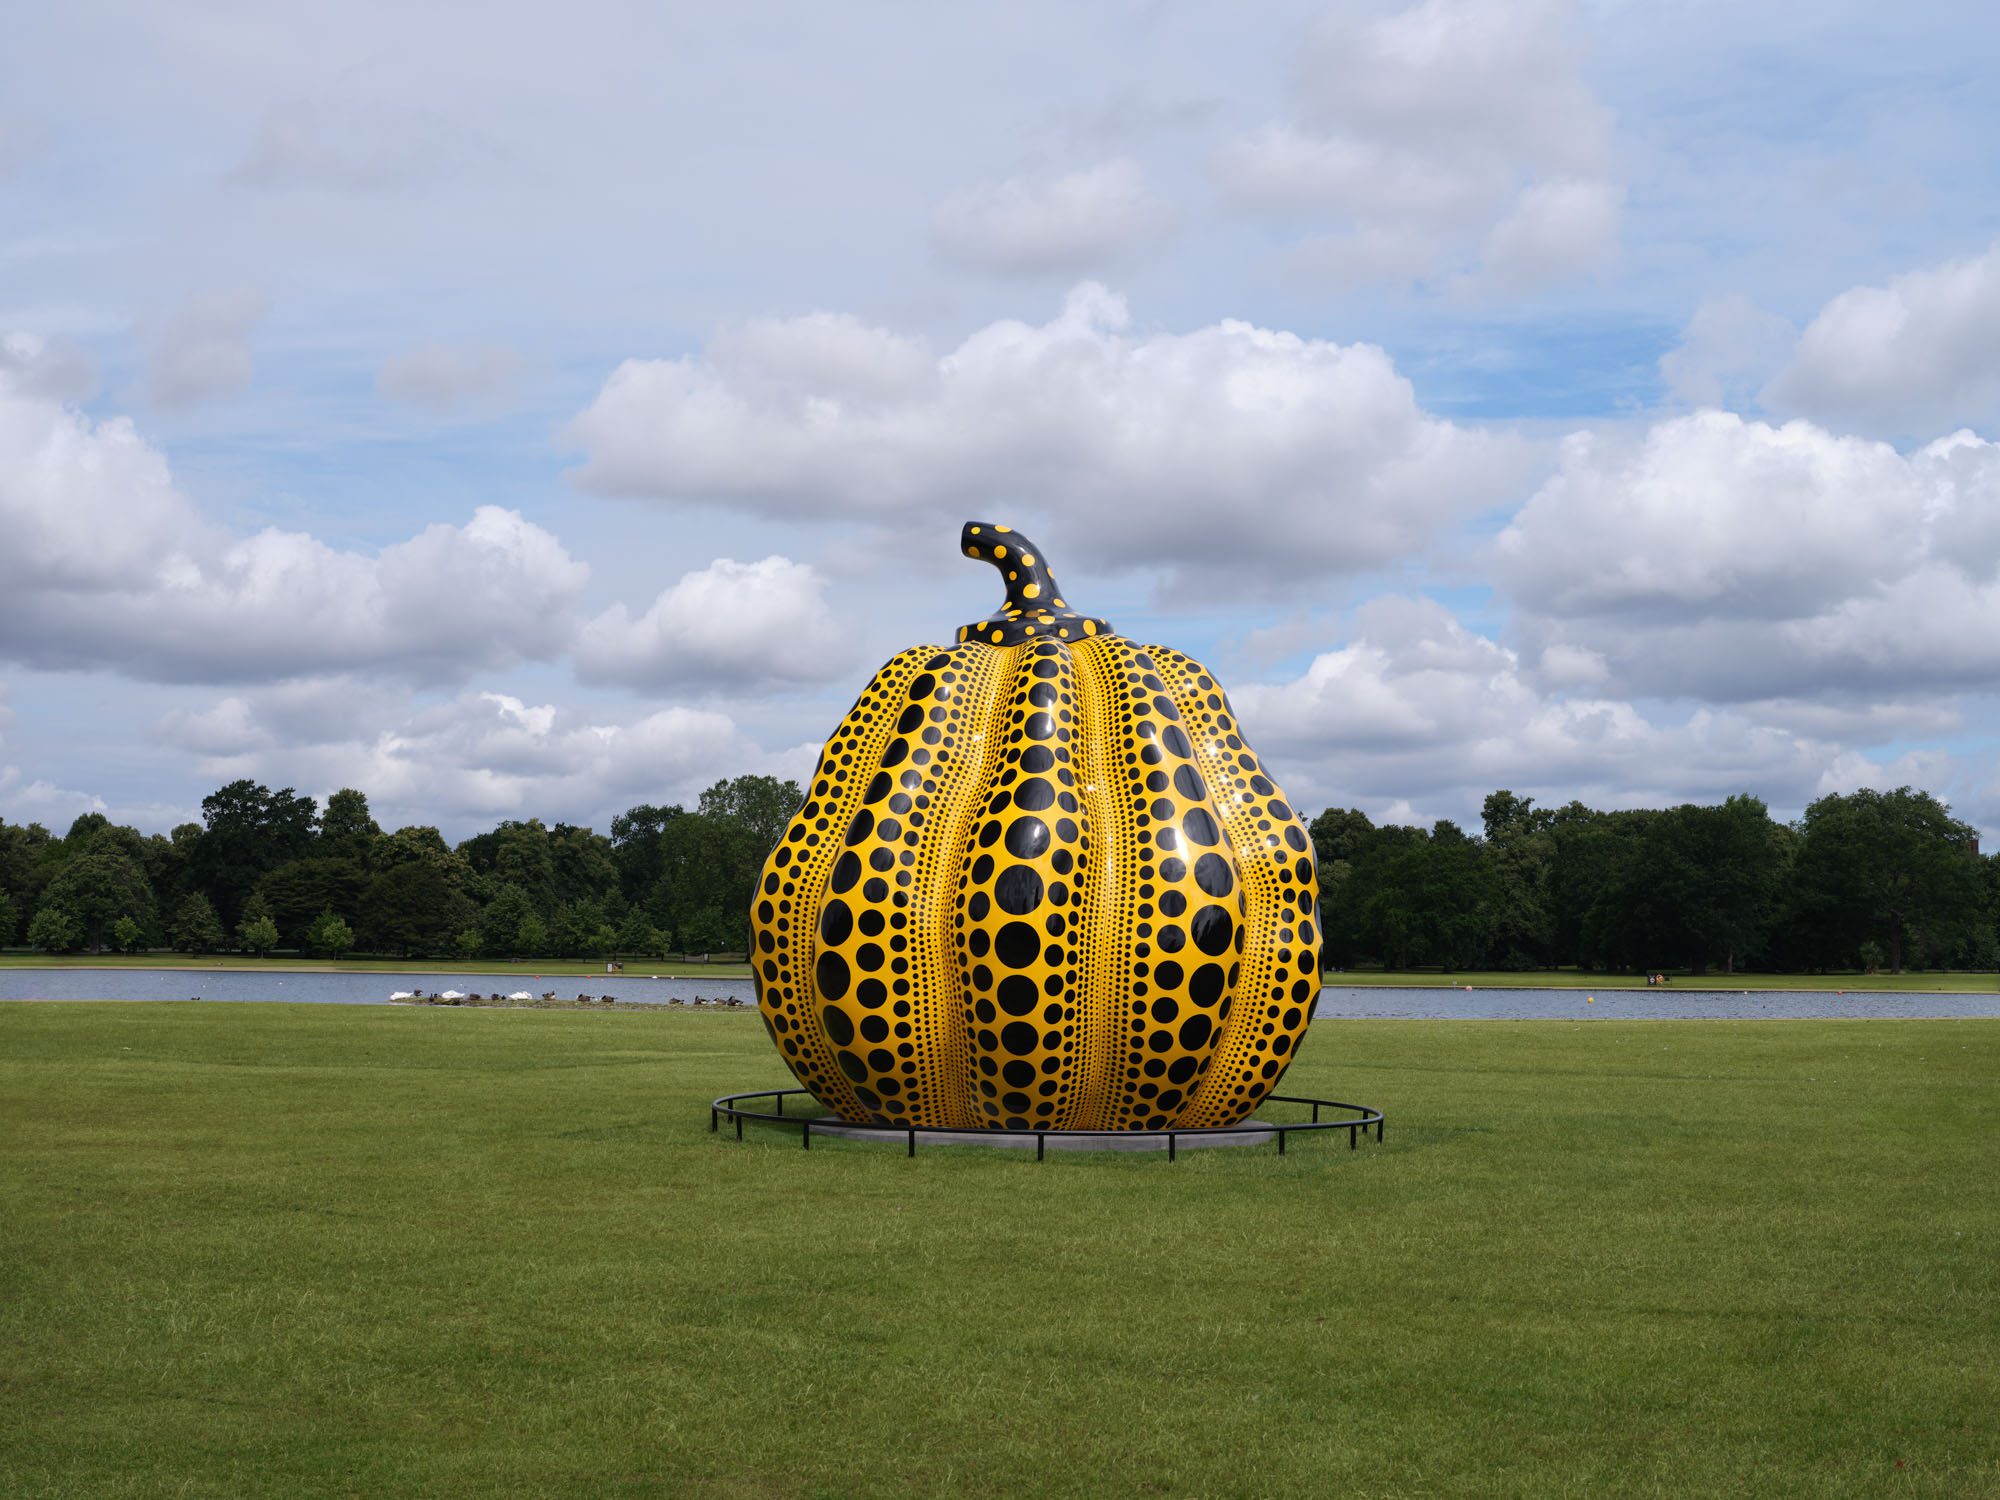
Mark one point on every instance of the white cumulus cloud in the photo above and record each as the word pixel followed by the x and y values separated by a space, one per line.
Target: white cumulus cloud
pixel 1234 445
pixel 1916 357
pixel 730 626
pixel 1454 139
pixel 109 565
pixel 445 379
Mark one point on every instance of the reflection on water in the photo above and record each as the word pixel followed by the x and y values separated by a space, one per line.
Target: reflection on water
pixel 1351 1002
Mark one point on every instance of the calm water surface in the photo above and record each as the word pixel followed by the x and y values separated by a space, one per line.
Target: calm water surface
pixel 1336 1002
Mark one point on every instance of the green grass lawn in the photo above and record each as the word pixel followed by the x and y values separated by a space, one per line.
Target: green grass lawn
pixel 322 1250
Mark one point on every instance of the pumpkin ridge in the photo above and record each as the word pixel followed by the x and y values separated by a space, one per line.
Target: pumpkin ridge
pixel 787 939
pixel 1100 1016
pixel 884 1022
pixel 1016 948
pixel 955 818
pixel 1171 977
pixel 1279 982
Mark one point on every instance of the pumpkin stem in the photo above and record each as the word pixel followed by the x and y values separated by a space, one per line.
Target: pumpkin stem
pixel 1035 607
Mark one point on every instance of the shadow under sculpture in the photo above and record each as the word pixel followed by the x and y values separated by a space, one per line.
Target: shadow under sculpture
pixel 1039 883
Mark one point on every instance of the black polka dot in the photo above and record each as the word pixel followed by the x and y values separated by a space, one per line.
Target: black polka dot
pixel 1195 1030
pixel 852 1066
pixel 1033 796
pixel 1019 890
pixel 1168 975
pixel 1213 930
pixel 1018 995
pixel 1188 779
pixel 846 872
pixel 835 923
pixel 830 975
pixel 1020 1038
pixel 1200 827
pixel 837 1025
pixel 1039 726
pixel 1027 837
pixel 1018 945
pixel 1206 986
pixel 1212 874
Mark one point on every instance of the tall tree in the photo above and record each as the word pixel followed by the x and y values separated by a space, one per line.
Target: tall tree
pixel 635 848
pixel 101 883
pixel 1891 867
pixel 249 831
pixel 1521 851
pixel 347 830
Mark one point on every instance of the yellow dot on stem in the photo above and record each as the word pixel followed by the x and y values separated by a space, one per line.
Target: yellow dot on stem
pixel 1090 627
pixel 996 636
pixel 1028 558
pixel 1062 604
pixel 999 551
pixel 1003 528
pixel 975 531
pixel 1032 591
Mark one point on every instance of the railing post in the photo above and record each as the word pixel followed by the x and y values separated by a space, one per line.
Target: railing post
pixel 913 1143
pixel 1041 1143
pixel 1172 1140
pixel 1351 1134
pixel 1281 1141
pixel 739 1127
pixel 711 1119
pixel 780 1097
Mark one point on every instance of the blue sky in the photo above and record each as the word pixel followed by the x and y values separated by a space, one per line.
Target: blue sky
pixel 530 411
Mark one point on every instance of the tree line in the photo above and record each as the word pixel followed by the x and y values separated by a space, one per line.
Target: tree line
pixel 269 870
pixel 1867 879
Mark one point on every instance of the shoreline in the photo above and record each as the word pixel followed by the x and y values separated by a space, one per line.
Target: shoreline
pixel 732 973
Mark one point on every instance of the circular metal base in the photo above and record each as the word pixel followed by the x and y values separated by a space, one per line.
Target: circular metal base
pixel 1249 1133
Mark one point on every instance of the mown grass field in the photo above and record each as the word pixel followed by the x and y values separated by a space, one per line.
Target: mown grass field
pixel 302 1251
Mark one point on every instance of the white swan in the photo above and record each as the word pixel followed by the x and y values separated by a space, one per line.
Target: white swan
pixel 520 995
pixel 402 994
pixel 451 995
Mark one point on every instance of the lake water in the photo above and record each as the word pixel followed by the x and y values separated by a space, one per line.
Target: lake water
pixel 1336 1002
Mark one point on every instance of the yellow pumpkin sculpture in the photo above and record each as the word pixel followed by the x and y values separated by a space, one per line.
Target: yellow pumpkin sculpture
pixel 1039 882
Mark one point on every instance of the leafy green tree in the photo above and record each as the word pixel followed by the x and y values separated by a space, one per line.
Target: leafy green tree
pixel 469 943
pixel 1521 853
pixel 639 938
pixel 28 857
pixel 10 919
pixel 257 935
pixel 1423 898
pixel 500 923
pixel 763 805
pixel 604 942
pixel 347 830
pixel 249 831
pixel 416 908
pixel 100 883
pixel 635 848
pixel 709 930
pixel 299 890
pixel 582 866
pixel 1889 866
pixel 197 929
pixel 329 936
pixel 127 935
pixel 516 854
pixel 54 930
pixel 533 938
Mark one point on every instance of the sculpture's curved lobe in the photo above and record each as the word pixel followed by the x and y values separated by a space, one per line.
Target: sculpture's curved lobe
pixel 1039 881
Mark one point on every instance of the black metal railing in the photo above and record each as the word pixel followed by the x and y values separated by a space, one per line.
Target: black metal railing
pixel 730 1107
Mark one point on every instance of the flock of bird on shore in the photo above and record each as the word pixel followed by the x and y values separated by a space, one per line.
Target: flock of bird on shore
pixel 455 997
